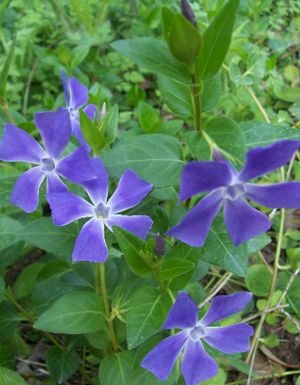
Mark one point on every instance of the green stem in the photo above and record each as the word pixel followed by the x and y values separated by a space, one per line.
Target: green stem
pixel 110 324
pixel 195 88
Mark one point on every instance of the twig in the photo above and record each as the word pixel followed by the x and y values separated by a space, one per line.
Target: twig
pixel 220 284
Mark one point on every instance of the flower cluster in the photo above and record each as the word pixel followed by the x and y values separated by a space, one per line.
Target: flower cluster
pixel 225 187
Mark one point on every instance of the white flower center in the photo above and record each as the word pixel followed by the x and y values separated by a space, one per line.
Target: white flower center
pixel 198 332
pixel 102 212
pixel 234 191
pixel 47 165
pixel 74 114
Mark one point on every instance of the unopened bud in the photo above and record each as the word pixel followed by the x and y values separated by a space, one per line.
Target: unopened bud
pixel 186 10
pixel 217 155
pixel 103 111
pixel 159 246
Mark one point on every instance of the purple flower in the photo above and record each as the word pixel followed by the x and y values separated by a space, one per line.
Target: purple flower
pixel 76 95
pixel 18 146
pixel 197 365
pixel 90 244
pixel 229 188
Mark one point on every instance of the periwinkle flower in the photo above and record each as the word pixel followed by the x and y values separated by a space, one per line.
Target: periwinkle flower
pixel 197 365
pixel 68 207
pixel 18 146
pixel 77 96
pixel 229 188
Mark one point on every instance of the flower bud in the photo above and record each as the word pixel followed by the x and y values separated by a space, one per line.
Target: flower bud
pixel 217 155
pixel 186 10
pixel 160 245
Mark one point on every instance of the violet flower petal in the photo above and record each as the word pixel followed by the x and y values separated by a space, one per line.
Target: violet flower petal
pixel 97 188
pixel 230 339
pixel 280 195
pixel 54 184
pixel 55 129
pixel 161 360
pixel 243 221
pixel 183 314
pixel 26 190
pixel 200 177
pixel 78 133
pixel 77 166
pixel 79 95
pixel 18 146
pixel 130 192
pixel 224 306
pixel 90 111
pixel 90 245
pixel 262 160
pixel 197 365
pixel 138 225
pixel 68 207
pixel 194 226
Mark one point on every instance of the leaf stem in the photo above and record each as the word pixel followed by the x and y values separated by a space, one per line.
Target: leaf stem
pixel 196 94
pixel 101 267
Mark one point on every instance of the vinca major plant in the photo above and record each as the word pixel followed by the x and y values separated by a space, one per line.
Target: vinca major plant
pixel 151 238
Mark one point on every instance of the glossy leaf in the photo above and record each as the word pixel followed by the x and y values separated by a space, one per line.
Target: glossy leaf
pixel 74 313
pixel 61 364
pixel 216 40
pixel 132 248
pixel 156 158
pixel 9 377
pixel 153 55
pixel 172 268
pixel 148 310
pixel 184 40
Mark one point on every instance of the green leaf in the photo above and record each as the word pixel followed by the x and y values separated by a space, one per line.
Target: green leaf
pixel 132 247
pixel 154 56
pixel 148 117
pixel 6 67
pixel 176 95
pixel 8 377
pixel 117 369
pixel 184 40
pixel 225 133
pixel 262 134
pixel 74 313
pixel 2 288
pixel 8 231
pixel 220 251
pixel 79 53
pixel 156 158
pixel 124 369
pixel 293 295
pixel 26 281
pixel 9 320
pixel 211 93
pixel 43 234
pixel 173 267
pixel 111 124
pixel 61 364
pixel 289 94
pixel 258 280
pixel 91 134
pixel 216 40
pixel 166 20
pixel 148 310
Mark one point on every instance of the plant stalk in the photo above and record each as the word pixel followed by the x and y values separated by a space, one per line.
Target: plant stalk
pixel 195 88
pixel 110 324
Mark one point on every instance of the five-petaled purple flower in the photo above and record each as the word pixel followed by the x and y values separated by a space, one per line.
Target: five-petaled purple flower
pixel 76 95
pixel 229 188
pixel 68 207
pixel 18 146
pixel 197 365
